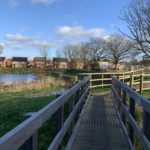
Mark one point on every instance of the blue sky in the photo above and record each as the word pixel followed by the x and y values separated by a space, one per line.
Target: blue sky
pixel 29 27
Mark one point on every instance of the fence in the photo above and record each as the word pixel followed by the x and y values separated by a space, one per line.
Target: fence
pixel 127 102
pixel 25 134
pixel 136 79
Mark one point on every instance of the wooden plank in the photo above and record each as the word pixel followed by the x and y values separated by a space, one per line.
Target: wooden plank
pixel 132 112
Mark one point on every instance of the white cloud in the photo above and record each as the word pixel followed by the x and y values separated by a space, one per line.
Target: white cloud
pixel 18 41
pixel 46 2
pixel 13 3
pixel 79 32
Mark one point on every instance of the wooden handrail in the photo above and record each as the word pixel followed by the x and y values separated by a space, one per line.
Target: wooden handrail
pixel 129 115
pixel 131 78
pixel 20 134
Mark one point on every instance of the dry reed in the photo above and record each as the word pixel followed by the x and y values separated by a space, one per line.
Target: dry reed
pixel 47 82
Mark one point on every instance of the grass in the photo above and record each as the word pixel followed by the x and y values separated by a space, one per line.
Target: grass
pixel 100 90
pixel 13 105
pixel 146 93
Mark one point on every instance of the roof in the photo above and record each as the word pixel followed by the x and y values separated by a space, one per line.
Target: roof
pixel 57 59
pixel 2 58
pixel 19 59
pixel 38 58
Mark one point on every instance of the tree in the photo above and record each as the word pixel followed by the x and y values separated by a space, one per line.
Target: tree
pixel 1 48
pixel 44 51
pixel 137 17
pixel 118 48
pixel 72 53
pixel 96 51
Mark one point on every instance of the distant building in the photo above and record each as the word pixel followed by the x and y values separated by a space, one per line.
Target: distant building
pixel 105 65
pixel 2 60
pixel 19 62
pixel 49 63
pixel 8 63
pixel 60 63
pixel 39 62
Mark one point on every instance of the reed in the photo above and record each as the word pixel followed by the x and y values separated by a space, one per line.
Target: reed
pixel 46 82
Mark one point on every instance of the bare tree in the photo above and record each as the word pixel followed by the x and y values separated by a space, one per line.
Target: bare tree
pixel 137 17
pixel 72 53
pixel 95 50
pixel 118 48
pixel 44 48
pixel 1 48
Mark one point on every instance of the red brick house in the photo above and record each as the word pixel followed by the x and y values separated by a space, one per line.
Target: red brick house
pixel 19 62
pixel 60 63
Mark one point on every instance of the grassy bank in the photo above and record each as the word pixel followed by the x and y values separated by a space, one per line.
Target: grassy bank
pixel 14 105
pixel 37 71
pixel 43 83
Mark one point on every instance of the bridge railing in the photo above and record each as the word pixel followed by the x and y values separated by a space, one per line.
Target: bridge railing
pixel 135 79
pixel 24 135
pixel 130 105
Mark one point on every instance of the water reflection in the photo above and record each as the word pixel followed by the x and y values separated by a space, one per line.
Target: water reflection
pixel 16 78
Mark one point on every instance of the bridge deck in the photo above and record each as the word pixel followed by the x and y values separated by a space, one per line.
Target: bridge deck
pixel 98 127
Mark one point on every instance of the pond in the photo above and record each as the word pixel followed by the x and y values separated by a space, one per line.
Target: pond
pixel 16 78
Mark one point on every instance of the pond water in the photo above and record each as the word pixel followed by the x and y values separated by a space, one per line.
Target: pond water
pixel 16 78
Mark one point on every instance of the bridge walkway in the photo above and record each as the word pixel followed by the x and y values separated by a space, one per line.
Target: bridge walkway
pixel 98 127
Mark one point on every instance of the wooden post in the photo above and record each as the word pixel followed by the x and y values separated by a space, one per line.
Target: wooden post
pixel 59 120
pixel 123 77
pixel 31 143
pixel 102 80
pixel 76 78
pixel 132 112
pixel 119 103
pixel 90 80
pixel 124 102
pixel 141 83
pixel 131 80
pixel 146 124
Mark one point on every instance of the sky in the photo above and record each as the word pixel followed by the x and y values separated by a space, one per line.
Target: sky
pixel 31 28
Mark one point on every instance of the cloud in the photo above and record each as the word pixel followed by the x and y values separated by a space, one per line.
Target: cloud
pixel 79 32
pixel 13 3
pixel 18 41
pixel 46 2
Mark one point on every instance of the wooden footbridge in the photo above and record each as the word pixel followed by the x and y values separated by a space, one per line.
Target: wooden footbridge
pixel 105 121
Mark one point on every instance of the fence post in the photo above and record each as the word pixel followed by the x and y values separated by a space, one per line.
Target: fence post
pixel 119 102
pixel 146 124
pixel 132 112
pixel 124 102
pixel 76 78
pixel 131 80
pixel 59 119
pixel 141 83
pixel 31 143
pixel 90 80
pixel 102 80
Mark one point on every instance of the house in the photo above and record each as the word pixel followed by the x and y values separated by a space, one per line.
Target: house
pixel 8 63
pixel 19 62
pixel 105 65
pixel 39 62
pixel 60 63
pixel 2 59
pixel 49 63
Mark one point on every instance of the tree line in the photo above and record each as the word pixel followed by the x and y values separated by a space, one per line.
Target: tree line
pixel 118 46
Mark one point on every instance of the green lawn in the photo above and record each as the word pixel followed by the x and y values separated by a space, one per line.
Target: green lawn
pixel 146 93
pixel 14 105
